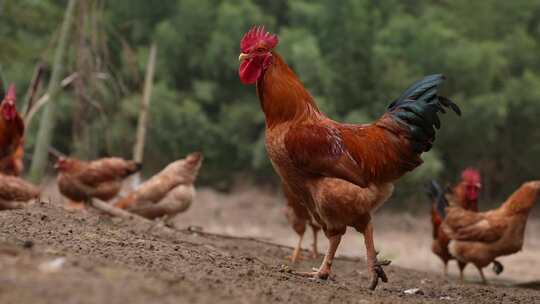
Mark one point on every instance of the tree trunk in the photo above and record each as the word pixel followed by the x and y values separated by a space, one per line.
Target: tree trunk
pixel 48 119
pixel 80 132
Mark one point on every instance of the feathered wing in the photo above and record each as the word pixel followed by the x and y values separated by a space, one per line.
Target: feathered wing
pixel 465 225
pixel 175 201
pixel 156 188
pixel 379 152
pixel 107 169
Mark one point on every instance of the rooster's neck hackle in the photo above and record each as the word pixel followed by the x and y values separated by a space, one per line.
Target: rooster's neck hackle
pixel 282 95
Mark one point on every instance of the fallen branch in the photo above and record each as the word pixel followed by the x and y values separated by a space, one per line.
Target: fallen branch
pixel 103 206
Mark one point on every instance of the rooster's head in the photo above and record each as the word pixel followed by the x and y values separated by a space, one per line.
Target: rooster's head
pixel 8 104
pixel 472 181
pixel 256 53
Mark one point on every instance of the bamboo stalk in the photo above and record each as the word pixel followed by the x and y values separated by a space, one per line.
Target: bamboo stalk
pixel 48 119
pixel 138 149
pixel 32 90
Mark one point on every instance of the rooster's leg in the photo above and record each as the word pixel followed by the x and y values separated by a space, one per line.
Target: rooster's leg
pixel 314 250
pixel 374 265
pixel 326 265
pixel 297 254
pixel 461 266
pixel 445 270
pixel 484 281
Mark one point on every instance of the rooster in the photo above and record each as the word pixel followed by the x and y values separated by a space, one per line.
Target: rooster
pixel 11 134
pixel 466 195
pixel 167 193
pixel 80 181
pixel 13 164
pixel 480 237
pixel 298 217
pixel 341 172
pixel 15 192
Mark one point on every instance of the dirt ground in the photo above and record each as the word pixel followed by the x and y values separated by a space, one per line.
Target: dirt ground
pixel 48 255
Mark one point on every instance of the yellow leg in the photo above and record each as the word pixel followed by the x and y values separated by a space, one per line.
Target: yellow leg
pixel 297 253
pixel 374 266
pixel 326 266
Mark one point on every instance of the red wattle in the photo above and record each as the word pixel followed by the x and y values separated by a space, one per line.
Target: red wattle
pixel 9 112
pixel 250 70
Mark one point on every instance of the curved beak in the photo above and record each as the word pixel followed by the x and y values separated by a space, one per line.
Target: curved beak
pixel 242 57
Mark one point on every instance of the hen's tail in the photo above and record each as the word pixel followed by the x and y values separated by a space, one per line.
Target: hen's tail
pixel 132 167
pixel 436 196
pixel 418 108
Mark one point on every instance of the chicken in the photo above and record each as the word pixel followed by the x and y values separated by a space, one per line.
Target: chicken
pixel 467 197
pixel 13 165
pixel 341 172
pixel 167 193
pixel 480 237
pixel 80 181
pixel 11 134
pixel 15 192
pixel 298 217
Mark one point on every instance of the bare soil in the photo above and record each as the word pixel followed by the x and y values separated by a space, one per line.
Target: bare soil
pixel 48 255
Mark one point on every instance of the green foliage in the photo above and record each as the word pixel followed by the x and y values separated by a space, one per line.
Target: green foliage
pixel 355 56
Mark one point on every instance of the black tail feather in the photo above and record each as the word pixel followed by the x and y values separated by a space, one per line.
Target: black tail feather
pixel 437 195
pixel 418 108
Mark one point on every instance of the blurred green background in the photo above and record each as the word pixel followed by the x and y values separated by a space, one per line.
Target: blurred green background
pixel 354 56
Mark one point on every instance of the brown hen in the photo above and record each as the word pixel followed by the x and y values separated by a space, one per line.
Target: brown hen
pixel 480 237
pixel 80 181
pixel 16 192
pixel 169 192
pixel 299 217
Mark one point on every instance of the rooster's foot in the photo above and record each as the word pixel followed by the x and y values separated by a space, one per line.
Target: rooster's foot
pixel 498 268
pixel 378 273
pixel 316 274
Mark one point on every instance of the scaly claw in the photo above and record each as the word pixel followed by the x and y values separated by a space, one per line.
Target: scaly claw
pixel 315 274
pixel 378 273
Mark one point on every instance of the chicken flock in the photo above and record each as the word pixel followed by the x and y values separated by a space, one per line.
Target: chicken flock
pixel 333 175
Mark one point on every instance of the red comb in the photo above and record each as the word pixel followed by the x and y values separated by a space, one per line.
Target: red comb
pixel 471 176
pixel 11 92
pixel 258 36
